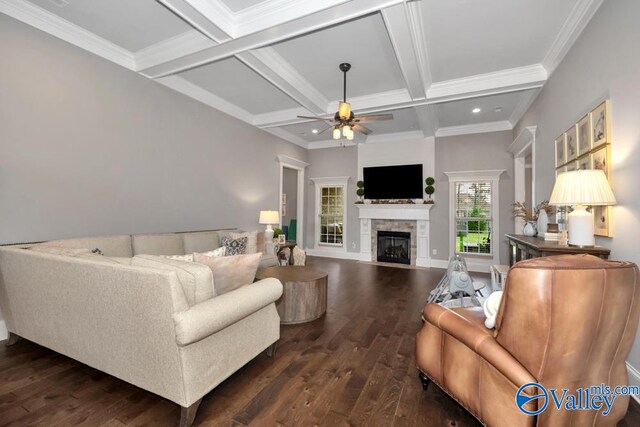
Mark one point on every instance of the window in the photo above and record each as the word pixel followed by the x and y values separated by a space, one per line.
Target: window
pixel 473 216
pixel 331 216
pixel 331 213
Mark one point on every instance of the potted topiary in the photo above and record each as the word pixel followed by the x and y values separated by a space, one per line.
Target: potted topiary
pixel 360 190
pixel 430 189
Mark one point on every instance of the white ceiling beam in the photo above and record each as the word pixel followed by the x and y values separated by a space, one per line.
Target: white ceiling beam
pixel 288 136
pixel 415 14
pixel 175 47
pixel 427 119
pixel 474 128
pixel 194 18
pixel 509 80
pixel 332 16
pixel 275 69
pixel 399 27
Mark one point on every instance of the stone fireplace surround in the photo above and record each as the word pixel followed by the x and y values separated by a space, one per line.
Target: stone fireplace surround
pixel 412 218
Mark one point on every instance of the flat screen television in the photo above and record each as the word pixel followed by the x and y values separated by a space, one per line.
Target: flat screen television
pixel 393 182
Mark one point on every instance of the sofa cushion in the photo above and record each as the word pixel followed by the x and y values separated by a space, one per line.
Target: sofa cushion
pixel 60 250
pixel 200 241
pixel 157 244
pixel 196 279
pixel 187 257
pixel 221 251
pixel 252 240
pixel 230 272
pixel 109 245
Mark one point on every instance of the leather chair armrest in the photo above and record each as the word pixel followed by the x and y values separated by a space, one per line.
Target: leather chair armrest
pixel 215 314
pixel 478 339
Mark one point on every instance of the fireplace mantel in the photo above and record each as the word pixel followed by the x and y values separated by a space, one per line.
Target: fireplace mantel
pixel 411 212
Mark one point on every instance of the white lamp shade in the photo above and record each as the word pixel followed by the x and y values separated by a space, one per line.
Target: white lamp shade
pixel 269 217
pixel 582 187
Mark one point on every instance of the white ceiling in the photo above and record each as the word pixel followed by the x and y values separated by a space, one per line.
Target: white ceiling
pixel 427 62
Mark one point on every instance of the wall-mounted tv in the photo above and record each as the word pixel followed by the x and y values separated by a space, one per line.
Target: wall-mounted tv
pixel 393 182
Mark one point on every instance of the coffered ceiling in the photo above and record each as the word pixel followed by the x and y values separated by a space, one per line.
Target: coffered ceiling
pixel 427 62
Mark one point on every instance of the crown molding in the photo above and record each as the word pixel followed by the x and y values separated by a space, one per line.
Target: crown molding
pixel 331 143
pixel 522 141
pixel 399 28
pixel 411 135
pixel 504 80
pixel 288 136
pixel 217 13
pixel 187 13
pixel 523 105
pixel 175 47
pixel 196 92
pixel 578 18
pixel 46 21
pixel 491 175
pixel 376 101
pixel 475 128
pixel 291 161
pixel 280 118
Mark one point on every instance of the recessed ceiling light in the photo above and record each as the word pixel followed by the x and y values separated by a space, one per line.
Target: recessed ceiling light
pixel 314 131
pixel 476 110
pixel 498 109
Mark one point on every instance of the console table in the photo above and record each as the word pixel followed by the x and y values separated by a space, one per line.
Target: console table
pixel 525 247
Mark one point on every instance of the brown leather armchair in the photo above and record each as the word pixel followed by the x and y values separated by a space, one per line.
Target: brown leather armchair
pixel 564 322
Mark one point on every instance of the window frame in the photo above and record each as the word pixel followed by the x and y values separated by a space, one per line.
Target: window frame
pixel 330 182
pixel 492 176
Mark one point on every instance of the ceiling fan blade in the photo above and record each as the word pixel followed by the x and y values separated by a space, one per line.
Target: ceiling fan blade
pixel 324 130
pixel 375 117
pixel 361 129
pixel 315 118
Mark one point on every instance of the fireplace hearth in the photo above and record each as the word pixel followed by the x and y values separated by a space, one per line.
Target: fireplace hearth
pixel 394 246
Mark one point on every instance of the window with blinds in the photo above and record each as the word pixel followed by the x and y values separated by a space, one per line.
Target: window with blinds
pixel 473 217
pixel 331 216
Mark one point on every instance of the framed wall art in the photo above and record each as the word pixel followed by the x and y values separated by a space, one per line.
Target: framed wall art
pixel 584 135
pixel 571 144
pixel 560 151
pixel 571 167
pixel 583 162
pixel 601 160
pixel 601 124
pixel 602 220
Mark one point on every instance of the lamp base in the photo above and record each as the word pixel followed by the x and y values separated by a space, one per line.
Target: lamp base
pixel 580 224
pixel 268 234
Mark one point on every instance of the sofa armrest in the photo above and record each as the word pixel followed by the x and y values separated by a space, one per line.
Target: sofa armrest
pixel 478 339
pixel 215 314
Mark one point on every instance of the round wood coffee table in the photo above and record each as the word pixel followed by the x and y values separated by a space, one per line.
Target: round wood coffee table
pixel 304 297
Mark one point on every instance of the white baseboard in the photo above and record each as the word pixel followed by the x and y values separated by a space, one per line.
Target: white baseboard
pixel 472 266
pixel 328 253
pixel 4 333
pixel 634 379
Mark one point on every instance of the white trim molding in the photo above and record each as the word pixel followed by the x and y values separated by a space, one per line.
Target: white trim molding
pixel 475 128
pixel 521 147
pixel 479 262
pixel 328 253
pixel 299 166
pixel 634 379
pixel 4 333
pixel 334 181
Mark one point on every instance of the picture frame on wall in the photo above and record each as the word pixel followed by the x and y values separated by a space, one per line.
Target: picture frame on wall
pixel 560 151
pixel 601 159
pixel 601 124
pixel 571 144
pixel 583 162
pixel 571 167
pixel 584 135
pixel 602 220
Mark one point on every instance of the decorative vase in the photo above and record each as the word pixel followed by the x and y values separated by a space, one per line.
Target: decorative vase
pixel 543 222
pixel 418 201
pixel 367 201
pixel 530 229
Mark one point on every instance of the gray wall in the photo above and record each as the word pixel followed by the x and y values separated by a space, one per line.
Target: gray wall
pixel 483 151
pixel 332 162
pixel 89 148
pixel 603 63
pixel 290 188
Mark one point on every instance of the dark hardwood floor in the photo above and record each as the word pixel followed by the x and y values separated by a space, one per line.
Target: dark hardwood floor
pixel 354 366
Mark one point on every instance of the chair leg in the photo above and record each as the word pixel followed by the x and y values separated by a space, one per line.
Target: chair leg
pixel 424 379
pixel 271 350
pixel 13 339
pixel 188 414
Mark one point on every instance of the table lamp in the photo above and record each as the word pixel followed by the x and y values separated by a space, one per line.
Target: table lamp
pixel 581 188
pixel 269 218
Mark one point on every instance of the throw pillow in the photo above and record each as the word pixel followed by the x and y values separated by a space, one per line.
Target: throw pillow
pixel 234 246
pixel 252 240
pixel 187 257
pixel 231 272
pixel 490 307
pixel 221 251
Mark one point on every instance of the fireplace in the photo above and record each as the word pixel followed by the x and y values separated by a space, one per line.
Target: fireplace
pixel 394 246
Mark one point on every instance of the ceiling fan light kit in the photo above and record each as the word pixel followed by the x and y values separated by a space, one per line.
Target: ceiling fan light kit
pixel 344 122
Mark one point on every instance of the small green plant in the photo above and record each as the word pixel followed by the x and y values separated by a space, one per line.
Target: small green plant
pixel 360 190
pixel 277 232
pixel 429 189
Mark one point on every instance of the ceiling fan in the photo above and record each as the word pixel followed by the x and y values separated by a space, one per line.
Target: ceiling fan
pixel 344 122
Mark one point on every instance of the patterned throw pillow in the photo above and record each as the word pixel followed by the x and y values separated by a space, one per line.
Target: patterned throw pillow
pixel 252 240
pixel 234 246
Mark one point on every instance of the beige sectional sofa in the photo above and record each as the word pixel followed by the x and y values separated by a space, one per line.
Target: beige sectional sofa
pixel 160 329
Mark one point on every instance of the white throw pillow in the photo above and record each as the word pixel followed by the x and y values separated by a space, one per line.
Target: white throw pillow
pixel 491 306
pixel 230 272
pixel 252 240
pixel 221 251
